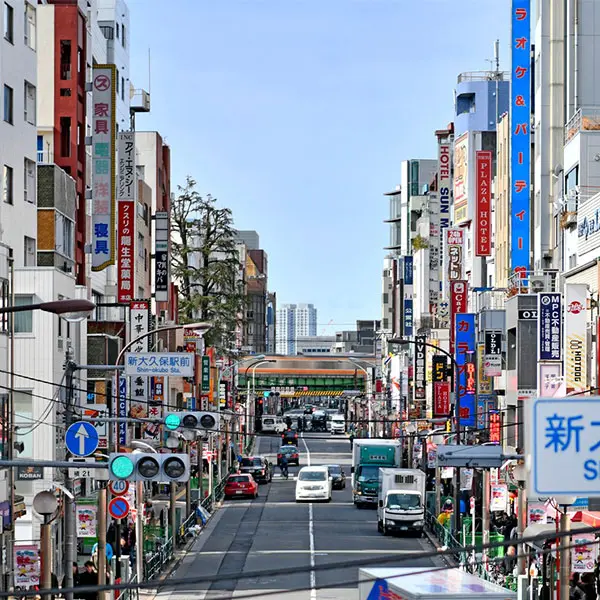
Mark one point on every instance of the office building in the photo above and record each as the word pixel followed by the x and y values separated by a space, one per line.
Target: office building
pixel 294 321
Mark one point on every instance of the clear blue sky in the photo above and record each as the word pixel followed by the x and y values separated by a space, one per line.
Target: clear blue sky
pixel 296 114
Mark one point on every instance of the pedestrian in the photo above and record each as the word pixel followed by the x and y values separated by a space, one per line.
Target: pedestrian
pixel 88 577
pixel 588 586
pixel 75 576
pixel 351 438
pixel 283 465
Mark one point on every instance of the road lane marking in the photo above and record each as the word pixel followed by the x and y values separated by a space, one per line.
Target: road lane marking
pixel 319 553
pixel 311 534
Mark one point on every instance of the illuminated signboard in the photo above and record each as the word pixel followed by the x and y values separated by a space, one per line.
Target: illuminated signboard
pixel 465 356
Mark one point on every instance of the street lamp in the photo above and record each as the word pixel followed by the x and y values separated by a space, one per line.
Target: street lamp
pixel 45 504
pixel 253 367
pixel 71 310
pixel 368 391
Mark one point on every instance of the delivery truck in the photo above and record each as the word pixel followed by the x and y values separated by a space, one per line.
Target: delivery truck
pixel 368 456
pixel 408 583
pixel 401 501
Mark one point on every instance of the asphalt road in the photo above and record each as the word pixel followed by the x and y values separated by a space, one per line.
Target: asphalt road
pixel 286 540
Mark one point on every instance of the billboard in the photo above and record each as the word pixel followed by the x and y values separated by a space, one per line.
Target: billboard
pixel 520 142
pixel 464 324
pixel 492 355
pixel 458 304
pixel 126 235
pixel 434 253
pixel 588 226
pixel 461 167
pixel 483 211
pixel 444 184
pixel 484 381
pixel 161 257
pixel 420 353
pixel 441 399
pixel 455 244
pixel 408 280
pixel 550 326
pixel 575 337
pixel 103 167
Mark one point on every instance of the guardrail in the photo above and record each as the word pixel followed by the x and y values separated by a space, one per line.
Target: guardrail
pixel 155 562
pixel 446 539
pixel 131 594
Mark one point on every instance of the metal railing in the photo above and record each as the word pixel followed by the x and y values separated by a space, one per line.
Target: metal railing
pixel 446 539
pixel 131 594
pixel 155 562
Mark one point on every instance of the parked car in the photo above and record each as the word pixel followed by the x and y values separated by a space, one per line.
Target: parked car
pixel 241 484
pixel 293 456
pixel 289 437
pixel 257 466
pixel 338 477
pixel 313 483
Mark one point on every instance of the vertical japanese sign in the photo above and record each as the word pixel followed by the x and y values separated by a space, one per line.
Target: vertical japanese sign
pixel 455 240
pixel 484 382
pixel 122 410
pixel 445 191
pixel 205 375
pixel 441 398
pixel 520 143
pixel 103 167
pixel 483 219
pixel 465 351
pixel 408 296
pixel 492 357
pixel 495 424
pixel 161 257
pixel 461 171
pixel 550 326
pixel 434 253
pixel 420 368
pixel 439 370
pixel 458 304
pixel 576 337
pixel 139 324
pixel 126 216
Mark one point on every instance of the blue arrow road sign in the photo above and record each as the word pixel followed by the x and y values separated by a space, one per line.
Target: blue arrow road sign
pixel 118 508
pixel 81 439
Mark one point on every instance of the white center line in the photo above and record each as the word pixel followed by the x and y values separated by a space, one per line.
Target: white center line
pixel 311 535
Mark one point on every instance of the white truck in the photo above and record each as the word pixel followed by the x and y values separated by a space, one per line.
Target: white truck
pixel 338 424
pixel 401 501
pixel 408 583
pixel 272 424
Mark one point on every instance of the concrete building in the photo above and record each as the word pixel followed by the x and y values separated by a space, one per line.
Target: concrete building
pixel 500 215
pixel 312 345
pixel 256 311
pixel 294 321
pixel 250 238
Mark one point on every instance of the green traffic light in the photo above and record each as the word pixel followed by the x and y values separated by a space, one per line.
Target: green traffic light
pixel 172 421
pixel 122 467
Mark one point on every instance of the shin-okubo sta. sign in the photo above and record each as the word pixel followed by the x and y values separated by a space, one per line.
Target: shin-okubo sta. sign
pixel 520 137
pixel 127 214
pixel 103 167
pixel 575 337
pixel 177 364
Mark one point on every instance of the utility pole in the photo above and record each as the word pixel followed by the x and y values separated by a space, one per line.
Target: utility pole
pixel 69 518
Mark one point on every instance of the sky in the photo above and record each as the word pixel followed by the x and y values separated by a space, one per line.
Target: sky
pixel 296 114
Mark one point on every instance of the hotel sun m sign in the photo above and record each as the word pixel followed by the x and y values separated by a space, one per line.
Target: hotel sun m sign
pixel 520 137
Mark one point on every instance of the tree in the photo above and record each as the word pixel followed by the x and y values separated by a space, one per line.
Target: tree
pixel 206 265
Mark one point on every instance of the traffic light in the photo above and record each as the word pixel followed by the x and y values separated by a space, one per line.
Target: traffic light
pixel 162 468
pixel 207 421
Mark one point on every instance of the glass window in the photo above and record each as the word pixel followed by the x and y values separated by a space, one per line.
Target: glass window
pixel 30 26
pixel 312 476
pixel 29 102
pixel 7 184
pixel 29 252
pixel 65 60
pixel 123 35
pixel 8 104
pixel 29 181
pixel 23 320
pixel 9 23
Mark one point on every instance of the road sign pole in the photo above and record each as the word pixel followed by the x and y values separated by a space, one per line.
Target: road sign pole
pixel 69 518
pixel 102 540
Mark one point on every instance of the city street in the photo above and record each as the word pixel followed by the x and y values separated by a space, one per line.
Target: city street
pixel 274 533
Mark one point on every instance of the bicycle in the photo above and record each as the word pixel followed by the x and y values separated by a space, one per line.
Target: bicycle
pixel 284 471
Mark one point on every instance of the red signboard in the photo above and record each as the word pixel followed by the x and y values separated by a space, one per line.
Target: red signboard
pixel 470 371
pixel 125 239
pixel 495 428
pixel 483 211
pixel 441 399
pixel 458 304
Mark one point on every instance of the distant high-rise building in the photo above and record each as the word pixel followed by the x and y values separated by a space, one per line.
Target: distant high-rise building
pixel 294 321
pixel 250 238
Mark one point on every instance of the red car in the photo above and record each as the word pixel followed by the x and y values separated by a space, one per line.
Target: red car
pixel 241 485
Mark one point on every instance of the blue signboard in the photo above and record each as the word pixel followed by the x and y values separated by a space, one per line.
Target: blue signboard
pixel 520 142
pixel 465 354
pixel 550 326
pixel 408 270
pixel 81 439
pixel 122 412
pixel 408 317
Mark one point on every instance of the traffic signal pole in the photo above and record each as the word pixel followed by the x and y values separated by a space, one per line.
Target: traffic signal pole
pixel 69 518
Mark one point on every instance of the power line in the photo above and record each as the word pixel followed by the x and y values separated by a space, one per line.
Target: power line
pixel 365 562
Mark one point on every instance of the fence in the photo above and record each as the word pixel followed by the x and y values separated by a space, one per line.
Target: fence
pixel 154 563
pixel 132 594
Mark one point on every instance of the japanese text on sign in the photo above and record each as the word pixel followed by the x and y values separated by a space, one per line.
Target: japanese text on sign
pixel 465 350
pixel 420 368
pixel 161 363
pixel 550 326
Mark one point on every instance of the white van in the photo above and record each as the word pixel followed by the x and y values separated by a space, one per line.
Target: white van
pixel 272 424
pixel 313 483
pixel 338 424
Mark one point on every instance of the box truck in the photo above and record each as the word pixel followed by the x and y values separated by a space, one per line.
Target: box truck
pixel 401 501
pixel 368 456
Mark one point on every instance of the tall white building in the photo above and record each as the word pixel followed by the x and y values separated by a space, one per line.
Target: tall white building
pixel 294 321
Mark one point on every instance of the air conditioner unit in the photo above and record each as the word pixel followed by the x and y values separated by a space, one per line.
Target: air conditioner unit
pixel 537 285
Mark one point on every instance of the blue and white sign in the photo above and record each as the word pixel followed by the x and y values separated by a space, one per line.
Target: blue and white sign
pixel 408 317
pixel 520 142
pixel 81 439
pixel 408 270
pixel 177 364
pixel 550 326
pixel 465 355
pixel 122 411
pixel 564 447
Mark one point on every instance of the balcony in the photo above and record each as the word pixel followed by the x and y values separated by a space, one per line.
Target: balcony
pixel 483 76
pixel 585 119
pixel 45 157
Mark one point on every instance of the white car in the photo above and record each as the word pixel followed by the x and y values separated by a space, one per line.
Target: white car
pixel 338 424
pixel 313 483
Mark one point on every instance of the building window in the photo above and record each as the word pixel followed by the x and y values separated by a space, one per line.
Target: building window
pixel 65 60
pixel 140 245
pixel 9 23
pixel 8 104
pixel 23 320
pixel 117 30
pixel 29 251
pixel 65 137
pixel 123 36
pixel 118 77
pixel 141 171
pixel 29 102
pixel 65 92
pixel 30 26
pixel 5 303
pixel 64 235
pixel 29 181
pixel 7 184
pixel 122 88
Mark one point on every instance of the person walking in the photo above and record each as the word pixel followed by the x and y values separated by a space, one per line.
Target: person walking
pixel 88 577
pixel 351 438
pixel 283 465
